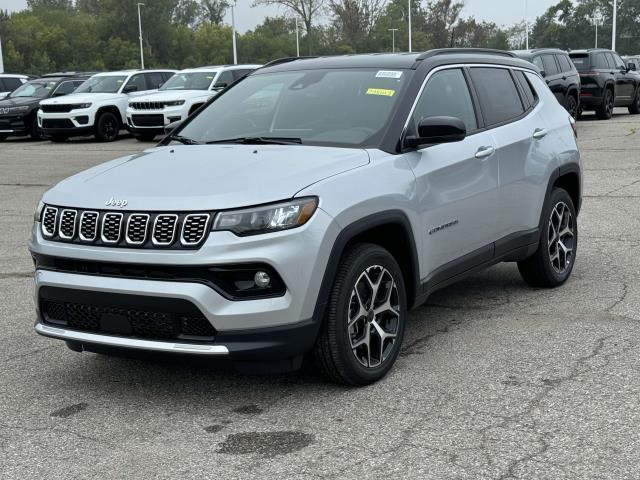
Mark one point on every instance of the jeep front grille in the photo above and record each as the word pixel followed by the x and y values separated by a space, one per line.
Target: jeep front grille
pixel 147 105
pixel 124 229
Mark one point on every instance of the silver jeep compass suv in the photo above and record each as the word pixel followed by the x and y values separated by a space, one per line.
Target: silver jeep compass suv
pixel 308 207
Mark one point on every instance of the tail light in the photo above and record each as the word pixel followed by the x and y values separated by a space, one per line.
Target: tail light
pixel 572 122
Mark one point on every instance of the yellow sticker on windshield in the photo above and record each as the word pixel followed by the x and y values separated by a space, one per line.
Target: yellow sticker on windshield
pixel 381 91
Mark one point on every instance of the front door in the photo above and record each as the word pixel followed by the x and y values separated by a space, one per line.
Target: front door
pixel 457 183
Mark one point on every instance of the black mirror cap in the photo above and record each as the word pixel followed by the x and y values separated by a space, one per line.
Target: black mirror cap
pixel 171 127
pixel 220 86
pixel 631 66
pixel 434 130
pixel 130 88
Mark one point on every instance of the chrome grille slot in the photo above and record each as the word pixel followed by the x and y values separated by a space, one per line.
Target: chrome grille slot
pixel 67 224
pixel 164 229
pixel 137 224
pixel 88 226
pixel 49 221
pixel 194 228
pixel 111 227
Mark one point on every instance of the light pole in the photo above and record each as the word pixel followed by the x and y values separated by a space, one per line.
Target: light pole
pixel 615 21
pixel 233 28
pixel 526 23
pixel 409 1
pixel 140 35
pixel 393 39
pixel 297 40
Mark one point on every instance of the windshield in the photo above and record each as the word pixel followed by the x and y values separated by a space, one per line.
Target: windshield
pixel 102 84
pixel 37 89
pixel 334 107
pixel 189 81
pixel 581 61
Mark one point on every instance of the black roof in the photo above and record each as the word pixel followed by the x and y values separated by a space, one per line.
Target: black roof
pixel 68 74
pixel 396 60
pixel 589 50
pixel 528 54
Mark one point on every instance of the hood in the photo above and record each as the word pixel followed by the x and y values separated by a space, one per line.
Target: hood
pixel 19 102
pixel 204 177
pixel 82 98
pixel 170 95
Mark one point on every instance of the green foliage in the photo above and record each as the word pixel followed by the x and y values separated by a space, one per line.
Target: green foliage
pixel 53 35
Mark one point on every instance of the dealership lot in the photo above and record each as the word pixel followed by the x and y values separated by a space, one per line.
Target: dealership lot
pixel 496 380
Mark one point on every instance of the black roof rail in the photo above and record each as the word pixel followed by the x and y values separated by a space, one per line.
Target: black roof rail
pixel 480 51
pixel 278 61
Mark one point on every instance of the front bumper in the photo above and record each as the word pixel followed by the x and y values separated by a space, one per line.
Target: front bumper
pixel 74 123
pixel 14 125
pixel 269 327
pixel 154 121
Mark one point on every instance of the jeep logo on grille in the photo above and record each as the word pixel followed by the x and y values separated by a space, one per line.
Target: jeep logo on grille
pixel 114 202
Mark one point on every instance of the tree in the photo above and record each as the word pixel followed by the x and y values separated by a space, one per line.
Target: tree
pixel 355 20
pixel 213 10
pixel 307 10
pixel 441 20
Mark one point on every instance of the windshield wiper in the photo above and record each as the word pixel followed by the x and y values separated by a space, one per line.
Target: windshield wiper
pixel 184 140
pixel 260 141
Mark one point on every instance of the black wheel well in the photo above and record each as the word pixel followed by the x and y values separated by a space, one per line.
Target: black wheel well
pixel 110 109
pixel 570 182
pixel 394 238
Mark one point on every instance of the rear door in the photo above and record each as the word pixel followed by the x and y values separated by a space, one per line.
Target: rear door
pixel 457 183
pixel 553 77
pixel 518 131
pixel 625 85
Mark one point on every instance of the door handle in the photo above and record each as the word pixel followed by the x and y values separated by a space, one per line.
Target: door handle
pixel 540 133
pixel 484 152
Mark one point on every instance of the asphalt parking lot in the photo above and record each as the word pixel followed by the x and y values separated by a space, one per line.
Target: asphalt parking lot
pixel 496 380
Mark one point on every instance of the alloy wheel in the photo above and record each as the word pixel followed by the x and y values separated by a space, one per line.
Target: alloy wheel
pixel 373 316
pixel 572 107
pixel 610 105
pixel 561 236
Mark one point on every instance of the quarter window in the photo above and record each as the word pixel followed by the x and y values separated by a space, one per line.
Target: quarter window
pixel 619 63
pixel 565 64
pixel 529 92
pixel 600 61
pixel 498 94
pixel 446 94
pixel 65 88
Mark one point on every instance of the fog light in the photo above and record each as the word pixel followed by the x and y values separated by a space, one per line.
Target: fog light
pixel 262 279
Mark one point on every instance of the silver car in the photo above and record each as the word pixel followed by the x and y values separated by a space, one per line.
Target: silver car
pixel 307 208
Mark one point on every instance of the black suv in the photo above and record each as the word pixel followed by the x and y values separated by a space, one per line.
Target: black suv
pixel 559 73
pixel 18 110
pixel 607 82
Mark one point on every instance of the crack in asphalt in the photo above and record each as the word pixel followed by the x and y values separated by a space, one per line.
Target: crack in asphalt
pixel 548 386
pixel 6 275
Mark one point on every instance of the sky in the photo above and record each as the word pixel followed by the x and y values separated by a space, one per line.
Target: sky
pixel 501 12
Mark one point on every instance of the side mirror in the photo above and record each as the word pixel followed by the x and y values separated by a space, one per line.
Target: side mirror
pixel 434 130
pixel 631 66
pixel 171 127
pixel 130 89
pixel 220 86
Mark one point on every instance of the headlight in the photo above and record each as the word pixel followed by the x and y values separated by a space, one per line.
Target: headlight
pixel 79 106
pixel 38 213
pixel 267 218
pixel 174 103
pixel 22 109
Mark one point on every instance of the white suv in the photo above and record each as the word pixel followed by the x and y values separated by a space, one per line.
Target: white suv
pixel 98 107
pixel 183 94
pixel 9 82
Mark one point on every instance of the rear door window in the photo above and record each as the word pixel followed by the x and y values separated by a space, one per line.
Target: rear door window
pixel 549 64
pixel 446 94
pixel 498 94
pixel 10 84
pixel 154 80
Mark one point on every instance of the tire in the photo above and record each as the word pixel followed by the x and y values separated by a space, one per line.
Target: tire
pixel 604 111
pixel 146 137
pixel 369 268
pixel 107 127
pixel 58 139
pixel 572 106
pixel 34 132
pixel 634 108
pixel 553 262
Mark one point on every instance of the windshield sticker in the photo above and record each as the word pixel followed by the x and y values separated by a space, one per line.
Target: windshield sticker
pixel 388 74
pixel 209 77
pixel 383 92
